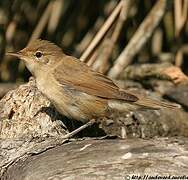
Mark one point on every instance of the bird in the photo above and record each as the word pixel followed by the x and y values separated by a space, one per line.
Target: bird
pixel 75 89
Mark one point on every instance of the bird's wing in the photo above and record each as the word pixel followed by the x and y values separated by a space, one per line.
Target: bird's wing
pixel 77 75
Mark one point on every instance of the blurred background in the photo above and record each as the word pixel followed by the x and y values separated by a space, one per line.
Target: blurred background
pixel 109 35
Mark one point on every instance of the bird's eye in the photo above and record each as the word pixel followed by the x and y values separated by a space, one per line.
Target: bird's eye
pixel 38 54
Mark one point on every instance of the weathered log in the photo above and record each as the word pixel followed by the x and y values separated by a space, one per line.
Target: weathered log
pixel 145 71
pixel 26 112
pixel 179 94
pixel 29 127
pixel 105 159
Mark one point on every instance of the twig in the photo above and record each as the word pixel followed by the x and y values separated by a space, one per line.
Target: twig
pixel 76 131
pixel 139 39
pixel 100 35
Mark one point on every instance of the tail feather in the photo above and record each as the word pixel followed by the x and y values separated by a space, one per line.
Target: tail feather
pixel 149 103
pixel 155 104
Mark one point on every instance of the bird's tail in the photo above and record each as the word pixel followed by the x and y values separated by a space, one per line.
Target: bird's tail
pixel 149 103
pixel 155 104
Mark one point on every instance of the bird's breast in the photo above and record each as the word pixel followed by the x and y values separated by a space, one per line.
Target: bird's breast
pixel 48 86
pixel 70 102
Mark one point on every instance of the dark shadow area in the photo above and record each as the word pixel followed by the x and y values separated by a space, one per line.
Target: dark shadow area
pixel 71 124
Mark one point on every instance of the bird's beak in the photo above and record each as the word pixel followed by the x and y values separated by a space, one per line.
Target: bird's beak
pixel 16 54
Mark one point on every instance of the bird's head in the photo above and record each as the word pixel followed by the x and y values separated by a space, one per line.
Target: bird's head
pixel 39 54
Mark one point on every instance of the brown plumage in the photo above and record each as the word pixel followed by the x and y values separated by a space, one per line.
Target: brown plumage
pixel 79 76
pixel 74 88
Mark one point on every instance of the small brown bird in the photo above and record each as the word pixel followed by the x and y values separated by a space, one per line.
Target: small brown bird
pixel 74 88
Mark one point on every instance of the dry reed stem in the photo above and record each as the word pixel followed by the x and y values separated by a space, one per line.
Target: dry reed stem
pixel 179 55
pixel 10 32
pixel 139 39
pixel 157 42
pixel 110 42
pixel 39 28
pixel 55 15
pixel 93 58
pixel 102 32
pixel 180 13
pixel 89 35
pixel 42 22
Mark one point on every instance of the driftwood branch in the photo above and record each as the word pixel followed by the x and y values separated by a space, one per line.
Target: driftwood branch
pixel 139 39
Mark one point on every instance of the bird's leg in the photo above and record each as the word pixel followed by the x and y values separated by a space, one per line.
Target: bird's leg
pixel 71 134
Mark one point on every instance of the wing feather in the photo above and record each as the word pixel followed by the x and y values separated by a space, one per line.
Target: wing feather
pixel 81 77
